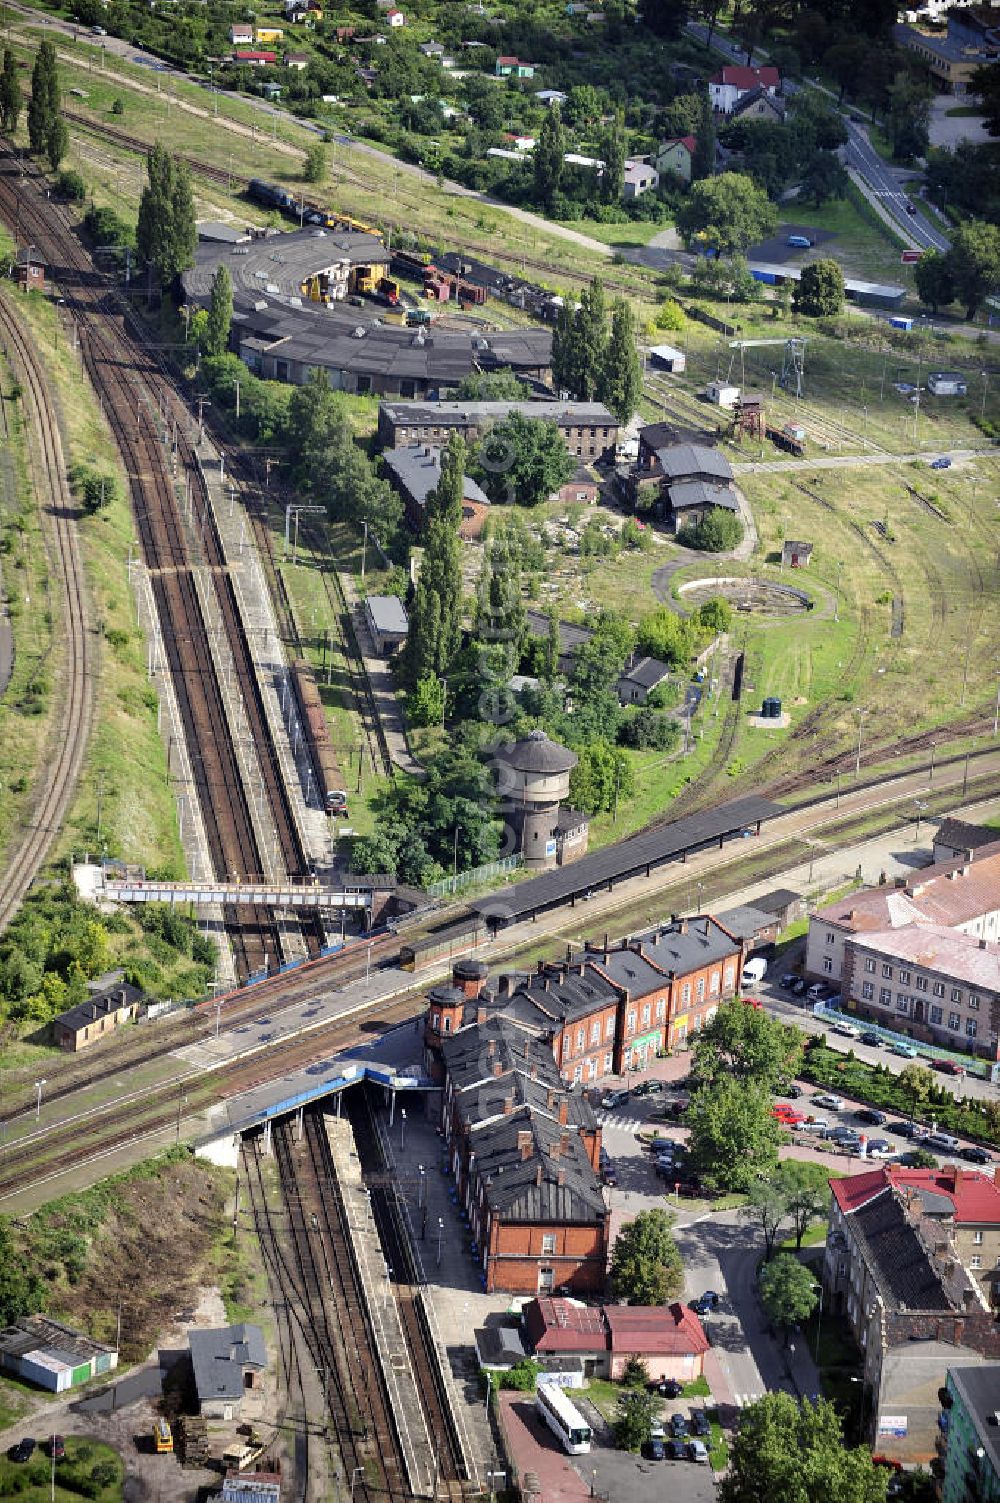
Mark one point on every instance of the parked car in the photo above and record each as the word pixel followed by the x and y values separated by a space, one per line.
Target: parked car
pixel 905 1051
pixel 610 1176
pixel 612 1099
pixel 818 992
pixel 872 1038
pixel 676 1450
pixel 784 1112
pixel 942 1142
pixel 870 1114
pixel 697 1451
pixel 976 1155
pixel 879 1148
pixel 846 1030
pixel 700 1423
pixel 948 1066
pixel 793 1091
pixel 800 242
pixel 943 463
pixel 815 1124
pixel 656 1430
pixel 57 1448
pixel 800 987
pixel 648 1088
pixel 667 1388
pixel 702 1306
pixel 829 1102
pixel 655 1449
pixel 678 1426
pixel 910 1130
pixel 788 981
pixel 23 1451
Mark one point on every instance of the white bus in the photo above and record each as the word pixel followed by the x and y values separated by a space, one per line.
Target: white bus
pixel 562 1417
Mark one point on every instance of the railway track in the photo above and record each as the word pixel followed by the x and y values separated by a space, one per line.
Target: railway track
pixel 71 731
pixel 128 380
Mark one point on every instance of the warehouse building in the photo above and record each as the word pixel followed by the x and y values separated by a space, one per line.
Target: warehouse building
pixel 101 1014
pixel 52 1356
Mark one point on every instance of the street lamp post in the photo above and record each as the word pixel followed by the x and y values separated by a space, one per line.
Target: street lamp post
pixel 819 1324
pixel 38 1102
pixel 402 1127
pixel 440 1239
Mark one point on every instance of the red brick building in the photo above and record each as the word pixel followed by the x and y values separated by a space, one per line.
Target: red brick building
pixel 670 1339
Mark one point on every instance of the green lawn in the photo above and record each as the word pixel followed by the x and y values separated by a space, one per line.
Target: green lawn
pixel 629 235
pixel 91 1470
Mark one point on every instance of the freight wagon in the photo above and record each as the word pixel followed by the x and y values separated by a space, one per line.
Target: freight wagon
pixel 459 938
pixel 304 210
pixel 317 733
pixel 790 442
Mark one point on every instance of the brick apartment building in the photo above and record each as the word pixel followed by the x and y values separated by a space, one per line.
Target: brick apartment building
pixel 524 1152
pixel 912 1264
pixel 588 429
pixel 610 1008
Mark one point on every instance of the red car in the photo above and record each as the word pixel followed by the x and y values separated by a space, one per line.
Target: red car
pixel 752 1002
pixel 787 1114
pixel 949 1067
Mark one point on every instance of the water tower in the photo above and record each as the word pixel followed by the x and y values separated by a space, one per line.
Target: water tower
pixel 532 780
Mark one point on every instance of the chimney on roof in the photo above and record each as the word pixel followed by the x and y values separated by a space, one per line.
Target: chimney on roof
pixel 538 1175
pixel 564 1142
pixel 563 1111
pixel 550 1098
pixel 534 1072
pixel 607 946
pixel 491 1047
pixel 497 1069
pixel 508 1103
pixel 561 1177
pixel 524 1143
pixel 481 1014
pixel 546 984
pixel 540 968
pixel 969 1300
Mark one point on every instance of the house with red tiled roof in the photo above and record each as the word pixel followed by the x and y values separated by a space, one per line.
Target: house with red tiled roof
pixel 960 894
pixel 675 156
pixel 912 1264
pixel 729 85
pixel 255 59
pixel 670 1339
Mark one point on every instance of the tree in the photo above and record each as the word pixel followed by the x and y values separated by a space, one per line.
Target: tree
pixel 824 178
pixel 727 213
pixel 57 142
pixel 500 613
pixel 634 1419
pixel 917 1082
pixel 985 82
pixel 734 1138
pixel 553 648
pixel 805 1190
pixel 703 159
pixel 843 61
pixel 166 235
pixel 220 313
pixel 747 1044
pixel 974 261
pixel 426 705
pixel 619 380
pixel 765 1207
pixel 635 1373
pixel 10 94
pixel 547 162
pixel 314 163
pixel 819 292
pixel 709 12
pixel 601 778
pixel 523 460
pixel 435 624
pixel 43 106
pixel 934 279
pixel 907 118
pixel 670 316
pixel 612 151
pixel 787 1292
pixel 646 1266
pixel 21 1291
pixel 665 18
pixel 491 386
pixel 794 1451
pixel 718 531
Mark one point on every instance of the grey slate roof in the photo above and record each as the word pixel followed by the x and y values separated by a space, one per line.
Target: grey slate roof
pixel 701 942
pixel 746 920
pixel 535 753
pixel 646 672
pixel 387 613
pixel 563 994
pixel 461 414
pixel 685 494
pixel 219 1356
pixel 281 261
pixel 896 1257
pixel 682 460
pixel 776 899
pixel 100 1005
pixel 961 835
pixel 416 469
pixel 513 1185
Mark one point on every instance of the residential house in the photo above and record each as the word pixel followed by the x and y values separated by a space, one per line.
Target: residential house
pixel 727 87
pixel 958 840
pixel 756 930
pixel 796 555
pixel 101 1014
pixel 268 34
pixel 524 1153
pixel 911 1266
pixel 432 49
pixel 759 104
pixel 969 1435
pixel 960 894
pixel 39 1350
pixel 928 981
pixel 640 177
pixel 641 676
pixel 415 470
pixel 588 429
pixel 387 623
pixel 245 59
pixel 513 67
pixel 669 1339
pixel 675 157
pixel 395 18
pixel 298 61
pixel 551 96
pixel 241 33
pixel 227 1361
pixel 679 482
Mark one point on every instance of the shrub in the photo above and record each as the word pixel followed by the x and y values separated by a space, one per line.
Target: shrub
pixel 71 185
pixel 717 532
pixel 523 1376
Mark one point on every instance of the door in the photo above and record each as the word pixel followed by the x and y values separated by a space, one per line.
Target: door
pixel 546 1280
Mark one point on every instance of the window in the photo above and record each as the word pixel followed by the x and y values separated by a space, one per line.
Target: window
pixel 364 385
pixel 700 989
pixel 902 1002
pixel 904 977
pixel 921 983
pixel 577 1074
pixel 407 388
pixel 831 938
pixel 595 1031
pixel 581 1037
pixel 975 1261
pixel 867 990
pixel 609 1028
pixel 548 1243
pixel 956 994
pixel 546 1279
pixel 936 1016
pixel 973 1002
pixel 954 1020
pixel 646 1013
pixel 884 995
pixel 971 1028
pixel 939 988
pixel 828 964
pixel 729 975
pixel 686 993
pixel 869 965
pixel 713 984
pixel 435 1021
pixel 447 1024
pixel 887 972
pixel 630 1023
pixel 607 1063
pixel 591 1069
pixel 977 1238
pixel 661 1010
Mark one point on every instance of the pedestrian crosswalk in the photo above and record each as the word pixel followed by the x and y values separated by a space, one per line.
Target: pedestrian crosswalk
pixel 743 1400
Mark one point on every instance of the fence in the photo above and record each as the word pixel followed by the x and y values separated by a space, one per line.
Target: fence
pixel 477 874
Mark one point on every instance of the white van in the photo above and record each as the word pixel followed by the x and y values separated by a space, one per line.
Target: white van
pixel 754 971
